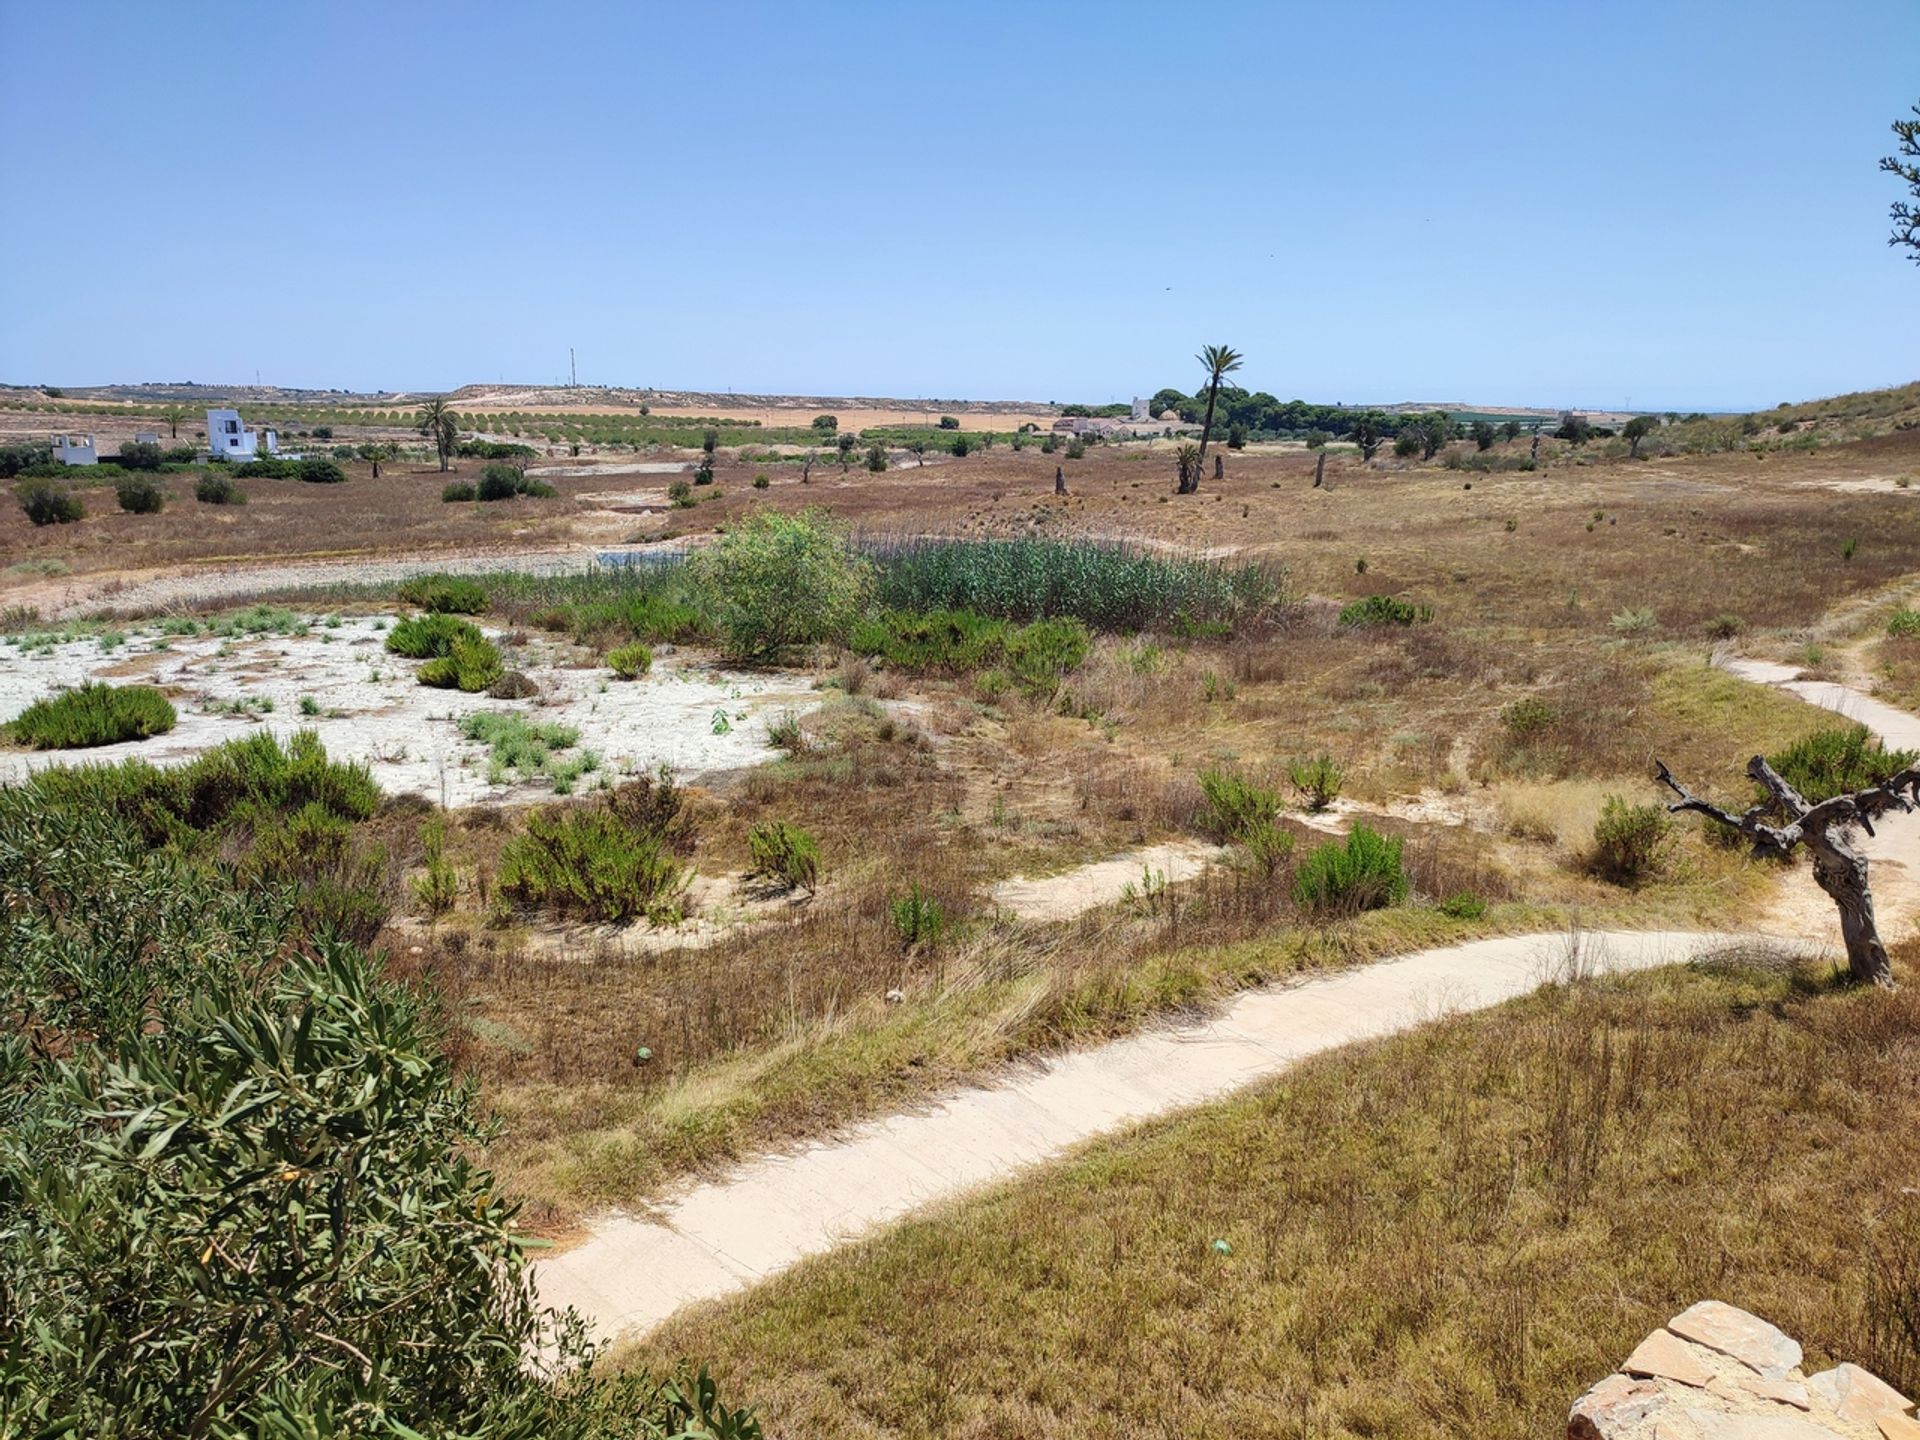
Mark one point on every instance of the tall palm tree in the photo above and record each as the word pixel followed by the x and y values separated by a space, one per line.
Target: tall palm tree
pixel 1216 360
pixel 440 423
pixel 173 415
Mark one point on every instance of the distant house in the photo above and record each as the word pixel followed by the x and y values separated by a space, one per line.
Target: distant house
pixel 75 450
pixel 147 437
pixel 226 436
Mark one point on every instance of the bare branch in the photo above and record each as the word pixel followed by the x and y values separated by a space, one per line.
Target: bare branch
pixel 1790 799
pixel 1768 840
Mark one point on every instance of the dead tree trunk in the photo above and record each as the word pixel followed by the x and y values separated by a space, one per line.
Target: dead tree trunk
pixel 1320 469
pixel 1826 829
pixel 1219 466
pixel 1059 480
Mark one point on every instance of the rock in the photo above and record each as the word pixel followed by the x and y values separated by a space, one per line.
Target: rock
pixel 1894 1426
pixel 1747 1338
pixel 1616 1403
pixel 1858 1395
pixel 1724 1425
pixel 1664 1355
pixel 1749 1387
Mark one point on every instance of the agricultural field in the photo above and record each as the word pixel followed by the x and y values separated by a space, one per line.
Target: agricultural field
pixel 695 805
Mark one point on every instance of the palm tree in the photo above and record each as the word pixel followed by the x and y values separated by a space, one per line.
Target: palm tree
pixel 173 415
pixel 1216 360
pixel 439 422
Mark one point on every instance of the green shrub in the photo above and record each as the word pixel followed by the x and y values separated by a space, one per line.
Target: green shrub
pixel 1236 807
pixel 139 495
pixel 472 664
pixel 498 482
pixel 1529 716
pixel 784 852
pixel 1904 621
pixel 782 580
pixel 680 493
pixel 437 887
pixel 537 489
pixel 1076 449
pixel 456 490
pixel 1836 761
pixel 218 490
pixel 93 714
pixel 444 594
pixel 761 482
pixel 960 642
pixel 140 455
pixel 595 863
pixel 1317 780
pixel 319 472
pixel 1630 841
pixel 1634 620
pixel 430 636
pixel 270 467
pixel 517 748
pixel 877 458
pixel 47 503
pixel 1385 610
pixel 1464 906
pixel 630 662
pixel 1363 874
pixel 918 919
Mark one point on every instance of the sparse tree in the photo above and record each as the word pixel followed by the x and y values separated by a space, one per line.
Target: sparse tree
pixel 1434 430
pixel 1905 164
pixel 440 423
pixel 826 424
pixel 375 454
pixel 1368 429
pixel 1217 361
pixel 918 449
pixel 1510 430
pixel 175 415
pixel 1236 437
pixel 1483 435
pixel 1826 829
pixel 1636 430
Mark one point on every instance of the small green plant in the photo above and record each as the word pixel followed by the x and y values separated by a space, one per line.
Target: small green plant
pixel 786 734
pixel 761 482
pixel 309 705
pixel 212 489
pixel 1239 812
pixel 681 495
pixel 139 495
pixel 93 714
pixel 1529 716
pixel 1850 548
pixel 1634 620
pixel 1464 906
pixel 1726 626
pixel 444 594
pixel 1365 873
pixel 457 490
pixel 1385 610
pixel 721 724
pixel 1903 621
pixel 430 636
pixel 785 853
pixel 1150 897
pixel 917 917
pixel 517 748
pixel 1630 841
pixel 437 888
pixel 1317 781
pixel 630 662
pixel 877 458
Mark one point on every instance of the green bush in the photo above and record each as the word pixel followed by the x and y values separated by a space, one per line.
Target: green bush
pixel 270 467
pixel 498 482
pixel 918 919
pixel 1529 716
pixel 1464 906
pixel 139 495
pixel 1236 807
pixel 784 852
pixel 877 458
pixel 1630 841
pixel 596 863
pixel 430 636
pixel 761 482
pixel 537 489
pixel 471 664
pixel 960 642
pixel 1365 873
pixel 630 662
pixel 517 748
pixel 457 490
pixel 1317 780
pixel 1385 610
pixel 218 490
pixel 93 714
pixel 1836 761
pixel 680 493
pixel 1904 621
pixel 140 455
pixel 319 472
pixel 444 594
pixel 782 580
pixel 47 503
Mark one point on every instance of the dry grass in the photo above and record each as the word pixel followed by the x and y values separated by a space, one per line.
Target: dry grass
pixel 1451 1232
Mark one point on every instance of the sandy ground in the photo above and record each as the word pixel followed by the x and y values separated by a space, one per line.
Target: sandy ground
pixel 371 708
pixel 1063 896
pixel 720 1237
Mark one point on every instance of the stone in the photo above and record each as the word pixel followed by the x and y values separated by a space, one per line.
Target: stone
pixel 1894 1426
pixel 1761 1347
pixel 1750 1387
pixel 1856 1394
pixel 1663 1355
pixel 1722 1425
pixel 1611 1406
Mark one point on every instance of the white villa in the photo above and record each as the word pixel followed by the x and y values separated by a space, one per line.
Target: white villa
pixel 227 436
pixel 75 450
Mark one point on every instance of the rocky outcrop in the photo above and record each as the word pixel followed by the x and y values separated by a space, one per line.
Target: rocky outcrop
pixel 1718 1373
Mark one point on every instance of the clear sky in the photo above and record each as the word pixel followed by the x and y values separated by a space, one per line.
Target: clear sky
pixel 1377 200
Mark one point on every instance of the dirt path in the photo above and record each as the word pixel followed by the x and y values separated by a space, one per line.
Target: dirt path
pixel 1063 896
pixel 775 1211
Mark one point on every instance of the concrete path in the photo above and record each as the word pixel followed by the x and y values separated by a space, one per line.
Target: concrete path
pixel 772 1212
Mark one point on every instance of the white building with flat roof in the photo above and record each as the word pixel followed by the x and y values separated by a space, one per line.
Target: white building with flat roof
pixel 75 450
pixel 226 436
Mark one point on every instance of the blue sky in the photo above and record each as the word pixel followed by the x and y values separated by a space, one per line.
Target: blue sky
pixel 1556 204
